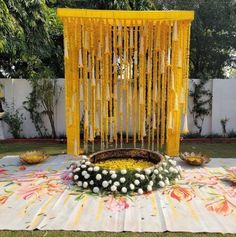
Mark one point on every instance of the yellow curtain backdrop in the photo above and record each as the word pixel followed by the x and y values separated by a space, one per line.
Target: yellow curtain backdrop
pixel 126 72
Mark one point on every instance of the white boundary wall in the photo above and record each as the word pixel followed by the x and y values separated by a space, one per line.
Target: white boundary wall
pixel 223 105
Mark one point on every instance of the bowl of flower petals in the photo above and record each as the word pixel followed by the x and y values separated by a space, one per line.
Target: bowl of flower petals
pixel 33 157
pixel 196 159
pixel 125 171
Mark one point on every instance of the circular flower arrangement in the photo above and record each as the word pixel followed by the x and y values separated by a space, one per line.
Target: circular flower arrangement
pixel 94 177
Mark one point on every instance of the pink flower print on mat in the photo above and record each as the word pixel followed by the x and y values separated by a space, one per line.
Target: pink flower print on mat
pixel 22 167
pixel 180 193
pixel 198 178
pixel 45 188
pixel 65 176
pixel 116 203
pixel 3 171
pixel 233 169
pixel 221 206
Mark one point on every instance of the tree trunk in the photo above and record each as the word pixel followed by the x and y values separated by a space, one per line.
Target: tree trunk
pixel 50 116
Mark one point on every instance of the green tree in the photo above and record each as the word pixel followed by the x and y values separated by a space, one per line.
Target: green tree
pixel 213 36
pixel 44 96
pixel 29 33
pixel 104 4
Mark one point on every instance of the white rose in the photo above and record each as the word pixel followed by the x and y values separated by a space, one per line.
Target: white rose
pixel 116 183
pixel 113 176
pixel 96 168
pixel 113 188
pixel 76 170
pixel 142 177
pixel 85 185
pixel 171 169
pixel 110 181
pixel 87 176
pixel 162 184
pixel 167 182
pixel 105 184
pixel 132 187
pixel 148 171
pixel 122 179
pixel 70 175
pixel 124 190
pixel 167 157
pixel 79 183
pixel 160 168
pixel 136 182
pixel 105 172
pixel 151 183
pixel 138 169
pixel 76 177
pixel 98 177
pixel 90 169
pixel 164 164
pixel 112 172
pixel 166 171
pixel 84 172
pixel 137 175
pixel 149 188
pixel 140 191
pixel 96 190
pixel 87 163
pixel 84 157
pixel 91 182
pixel 156 172
pixel 83 166
pixel 175 171
pixel 123 171
pixel 160 176
pixel 173 162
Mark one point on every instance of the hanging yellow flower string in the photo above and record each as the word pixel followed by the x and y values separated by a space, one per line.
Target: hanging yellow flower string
pixel 126 69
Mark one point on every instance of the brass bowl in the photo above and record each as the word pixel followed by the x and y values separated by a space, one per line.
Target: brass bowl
pixel 193 158
pixel 127 153
pixel 33 157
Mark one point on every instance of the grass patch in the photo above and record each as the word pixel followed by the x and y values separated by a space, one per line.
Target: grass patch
pixel 105 234
pixel 218 150
pixel 222 150
pixel 17 148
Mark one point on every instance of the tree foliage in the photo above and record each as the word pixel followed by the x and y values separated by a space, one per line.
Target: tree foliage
pixel 213 36
pixel 42 102
pixel 202 103
pixel 104 4
pixel 29 33
pixel 31 39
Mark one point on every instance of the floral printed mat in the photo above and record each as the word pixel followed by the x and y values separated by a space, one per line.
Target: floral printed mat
pixel 41 197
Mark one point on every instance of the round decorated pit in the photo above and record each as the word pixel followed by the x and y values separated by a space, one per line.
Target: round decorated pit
pixel 125 171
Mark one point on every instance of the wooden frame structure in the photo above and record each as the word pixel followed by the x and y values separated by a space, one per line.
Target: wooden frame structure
pixel 126 72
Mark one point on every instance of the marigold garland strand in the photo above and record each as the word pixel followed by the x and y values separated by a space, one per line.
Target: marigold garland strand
pixel 126 75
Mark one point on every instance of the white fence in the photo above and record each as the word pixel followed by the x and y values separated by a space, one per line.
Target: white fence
pixel 223 105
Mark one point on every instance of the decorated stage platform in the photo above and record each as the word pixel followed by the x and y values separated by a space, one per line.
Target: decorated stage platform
pixel 42 197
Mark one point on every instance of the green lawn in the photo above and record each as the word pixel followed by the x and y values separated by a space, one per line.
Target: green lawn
pixel 17 148
pixel 104 234
pixel 223 150
pixel 211 149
